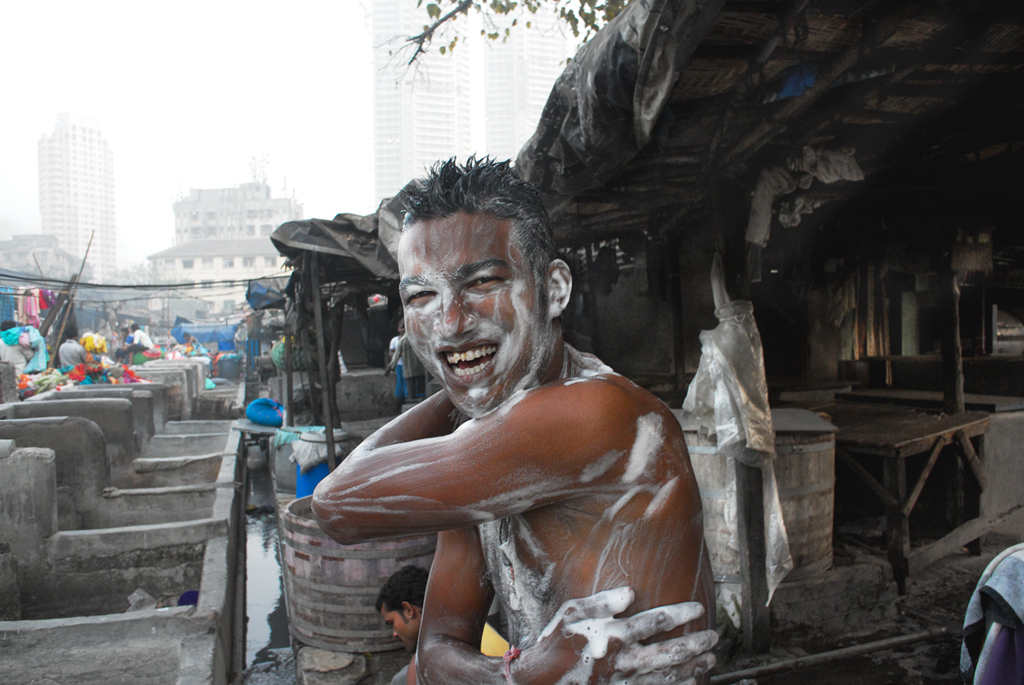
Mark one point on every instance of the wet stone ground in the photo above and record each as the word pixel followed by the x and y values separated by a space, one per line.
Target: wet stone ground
pixel 938 597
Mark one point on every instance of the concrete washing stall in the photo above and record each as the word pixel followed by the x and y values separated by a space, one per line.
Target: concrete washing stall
pixel 100 496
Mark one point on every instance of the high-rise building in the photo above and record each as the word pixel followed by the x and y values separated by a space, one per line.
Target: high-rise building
pixel 421 113
pixel 245 211
pixel 518 76
pixel 76 191
pixel 223 235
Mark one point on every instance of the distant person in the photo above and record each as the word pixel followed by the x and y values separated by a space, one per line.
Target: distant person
pixel 140 337
pixel 413 371
pixel 197 347
pixel 11 350
pixel 72 352
pixel 125 339
pixel 395 362
pixel 137 340
pixel 400 603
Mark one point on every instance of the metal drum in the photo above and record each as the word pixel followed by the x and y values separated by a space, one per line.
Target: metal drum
pixel 805 473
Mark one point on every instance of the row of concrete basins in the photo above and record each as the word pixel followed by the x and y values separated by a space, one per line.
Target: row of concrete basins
pixel 102 496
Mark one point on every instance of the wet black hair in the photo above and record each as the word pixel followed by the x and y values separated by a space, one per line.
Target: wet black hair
pixel 407 584
pixel 486 186
pixel 7 325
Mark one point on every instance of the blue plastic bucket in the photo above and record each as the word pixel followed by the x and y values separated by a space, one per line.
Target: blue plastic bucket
pixel 306 482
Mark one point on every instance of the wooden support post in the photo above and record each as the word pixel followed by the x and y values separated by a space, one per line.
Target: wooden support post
pixel 963 492
pixel 318 323
pixel 311 387
pixel 952 352
pixel 289 395
pixel 753 554
pixel 940 443
pixel 336 320
pixel 897 524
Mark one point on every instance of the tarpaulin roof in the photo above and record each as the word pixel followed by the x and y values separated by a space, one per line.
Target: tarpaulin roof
pixel 361 243
pixel 603 108
pixel 266 293
pixel 224 336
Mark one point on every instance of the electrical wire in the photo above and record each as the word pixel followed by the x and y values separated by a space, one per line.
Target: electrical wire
pixel 56 284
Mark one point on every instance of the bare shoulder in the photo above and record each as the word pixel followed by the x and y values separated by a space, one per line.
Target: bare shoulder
pixel 596 417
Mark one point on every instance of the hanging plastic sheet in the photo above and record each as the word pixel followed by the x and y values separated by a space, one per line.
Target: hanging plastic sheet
pixel 266 293
pixel 729 397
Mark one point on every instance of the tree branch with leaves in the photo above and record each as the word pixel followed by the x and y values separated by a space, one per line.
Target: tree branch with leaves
pixel 582 17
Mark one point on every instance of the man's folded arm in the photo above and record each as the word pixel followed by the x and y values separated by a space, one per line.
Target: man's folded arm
pixel 487 469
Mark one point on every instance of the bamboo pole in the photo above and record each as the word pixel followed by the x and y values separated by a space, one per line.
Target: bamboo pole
pixel 288 392
pixel 828 657
pixel 318 322
pixel 70 301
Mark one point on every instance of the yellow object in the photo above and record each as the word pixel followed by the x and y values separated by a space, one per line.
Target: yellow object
pixel 492 644
pixel 94 343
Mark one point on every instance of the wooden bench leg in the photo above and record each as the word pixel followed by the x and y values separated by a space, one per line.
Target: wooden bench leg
pixel 897 523
pixel 972 497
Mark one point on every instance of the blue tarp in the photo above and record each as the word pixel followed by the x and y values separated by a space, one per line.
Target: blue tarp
pixel 266 293
pixel 224 336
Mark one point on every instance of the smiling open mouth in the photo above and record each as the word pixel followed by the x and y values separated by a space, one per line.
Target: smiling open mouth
pixel 471 361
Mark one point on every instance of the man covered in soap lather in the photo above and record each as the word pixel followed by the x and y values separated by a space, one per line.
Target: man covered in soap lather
pixel 556 484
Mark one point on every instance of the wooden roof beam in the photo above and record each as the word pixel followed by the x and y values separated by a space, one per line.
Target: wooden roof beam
pixel 874 35
pixel 785 25
pixel 966 30
pixel 744 53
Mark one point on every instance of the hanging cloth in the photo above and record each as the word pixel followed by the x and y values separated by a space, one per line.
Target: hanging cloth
pixel 31 309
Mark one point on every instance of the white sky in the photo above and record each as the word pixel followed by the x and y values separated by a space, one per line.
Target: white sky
pixel 187 93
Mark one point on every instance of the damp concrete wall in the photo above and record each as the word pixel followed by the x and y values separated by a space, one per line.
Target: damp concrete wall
pixel 1004 463
pixel 72 586
pixel 82 469
pixel 149 403
pixel 185 379
pixel 179 403
pixel 362 394
pixel 113 416
pixel 152 536
pixel 8 383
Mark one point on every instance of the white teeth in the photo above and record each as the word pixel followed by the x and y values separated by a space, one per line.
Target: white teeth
pixel 470 355
pixel 466 372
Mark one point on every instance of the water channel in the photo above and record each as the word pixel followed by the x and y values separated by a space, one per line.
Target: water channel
pixel 268 655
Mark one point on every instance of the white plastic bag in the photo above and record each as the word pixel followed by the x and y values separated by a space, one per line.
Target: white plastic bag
pixel 729 397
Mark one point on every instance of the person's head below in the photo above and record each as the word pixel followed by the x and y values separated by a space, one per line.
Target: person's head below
pixel 7 325
pixel 71 333
pixel 482 286
pixel 125 333
pixel 135 327
pixel 400 603
pixel 401 327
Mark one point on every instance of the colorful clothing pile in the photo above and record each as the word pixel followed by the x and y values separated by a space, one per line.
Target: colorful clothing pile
pixel 42 382
pixel 82 374
pixel 90 374
pixel 28 337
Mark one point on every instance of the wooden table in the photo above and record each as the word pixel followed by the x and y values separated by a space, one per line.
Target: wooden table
pixel 254 434
pixel 932 400
pixel 894 433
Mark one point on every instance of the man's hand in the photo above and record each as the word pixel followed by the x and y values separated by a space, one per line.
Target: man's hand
pixel 595 647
